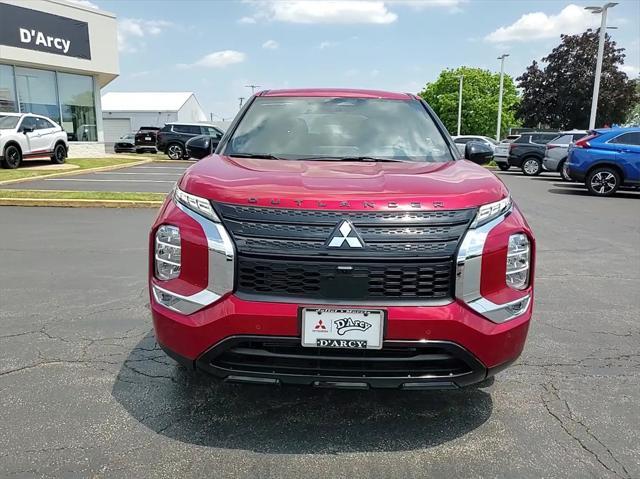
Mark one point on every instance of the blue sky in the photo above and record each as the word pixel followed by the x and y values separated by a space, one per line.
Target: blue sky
pixel 215 48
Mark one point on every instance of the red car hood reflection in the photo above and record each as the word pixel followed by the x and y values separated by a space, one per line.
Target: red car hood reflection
pixel 343 185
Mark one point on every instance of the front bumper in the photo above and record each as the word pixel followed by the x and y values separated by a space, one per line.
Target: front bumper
pixel 501 159
pixel 475 348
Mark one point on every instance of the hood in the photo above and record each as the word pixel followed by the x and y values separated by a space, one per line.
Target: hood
pixel 343 185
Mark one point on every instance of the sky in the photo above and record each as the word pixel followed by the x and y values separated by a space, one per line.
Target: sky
pixel 216 48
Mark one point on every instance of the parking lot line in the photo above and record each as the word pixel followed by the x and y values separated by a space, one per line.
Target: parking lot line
pixel 114 181
pixel 139 174
pixel 159 167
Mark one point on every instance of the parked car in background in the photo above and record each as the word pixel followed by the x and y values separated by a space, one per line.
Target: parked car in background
pixel 501 152
pixel 556 151
pixel 172 137
pixel 145 139
pixel 201 146
pixel 461 141
pixel 26 136
pixel 527 151
pixel 125 144
pixel 605 160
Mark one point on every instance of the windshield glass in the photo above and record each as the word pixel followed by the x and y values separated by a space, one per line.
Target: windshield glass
pixel 339 128
pixel 8 122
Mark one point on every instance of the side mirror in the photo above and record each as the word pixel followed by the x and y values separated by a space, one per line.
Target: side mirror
pixel 478 152
pixel 27 129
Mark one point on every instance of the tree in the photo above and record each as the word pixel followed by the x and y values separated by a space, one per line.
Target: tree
pixel 559 96
pixel 479 100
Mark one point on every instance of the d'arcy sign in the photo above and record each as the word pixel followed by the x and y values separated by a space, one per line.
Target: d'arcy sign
pixel 26 28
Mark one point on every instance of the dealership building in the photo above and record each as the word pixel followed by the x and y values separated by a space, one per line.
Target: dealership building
pixel 55 56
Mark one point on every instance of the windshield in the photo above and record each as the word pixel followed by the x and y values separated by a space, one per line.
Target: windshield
pixel 8 122
pixel 338 128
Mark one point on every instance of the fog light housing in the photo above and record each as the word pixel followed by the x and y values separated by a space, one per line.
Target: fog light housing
pixel 518 261
pixel 167 252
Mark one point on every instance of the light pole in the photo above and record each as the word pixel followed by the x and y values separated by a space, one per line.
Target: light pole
pixel 596 83
pixel 501 58
pixel 460 104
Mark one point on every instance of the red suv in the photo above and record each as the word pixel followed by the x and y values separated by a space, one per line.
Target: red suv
pixel 337 239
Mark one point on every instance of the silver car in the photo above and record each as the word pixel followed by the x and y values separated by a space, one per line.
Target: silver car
pixel 461 141
pixel 555 153
pixel 501 153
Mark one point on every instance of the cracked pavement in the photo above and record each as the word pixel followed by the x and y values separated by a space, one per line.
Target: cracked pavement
pixel 85 391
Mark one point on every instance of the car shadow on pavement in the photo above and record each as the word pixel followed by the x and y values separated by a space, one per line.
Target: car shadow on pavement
pixel 193 408
pixel 579 190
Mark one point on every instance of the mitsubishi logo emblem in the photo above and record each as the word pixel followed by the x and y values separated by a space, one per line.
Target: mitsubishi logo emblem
pixel 345 235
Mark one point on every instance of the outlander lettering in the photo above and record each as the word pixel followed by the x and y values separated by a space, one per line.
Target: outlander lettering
pixel 308 251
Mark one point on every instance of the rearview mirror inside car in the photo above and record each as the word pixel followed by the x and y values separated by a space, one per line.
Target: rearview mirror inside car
pixel 478 152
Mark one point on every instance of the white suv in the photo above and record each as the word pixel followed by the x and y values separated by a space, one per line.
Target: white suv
pixel 27 136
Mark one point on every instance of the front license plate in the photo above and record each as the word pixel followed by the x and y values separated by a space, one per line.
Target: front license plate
pixel 148 138
pixel 342 328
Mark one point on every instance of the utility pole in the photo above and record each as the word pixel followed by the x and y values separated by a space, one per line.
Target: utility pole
pixel 596 83
pixel 501 58
pixel 241 100
pixel 211 116
pixel 253 88
pixel 460 104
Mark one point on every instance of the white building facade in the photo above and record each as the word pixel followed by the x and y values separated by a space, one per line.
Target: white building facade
pixel 126 112
pixel 55 56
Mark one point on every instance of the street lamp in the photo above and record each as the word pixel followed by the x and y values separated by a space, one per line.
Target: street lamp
pixel 501 58
pixel 460 104
pixel 596 83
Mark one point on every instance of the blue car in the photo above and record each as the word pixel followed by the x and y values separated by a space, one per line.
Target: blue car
pixel 605 160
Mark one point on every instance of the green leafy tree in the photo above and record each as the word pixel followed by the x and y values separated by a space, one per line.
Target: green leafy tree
pixel 480 90
pixel 559 95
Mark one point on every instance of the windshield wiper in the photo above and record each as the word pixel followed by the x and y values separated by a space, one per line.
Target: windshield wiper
pixel 263 156
pixel 367 159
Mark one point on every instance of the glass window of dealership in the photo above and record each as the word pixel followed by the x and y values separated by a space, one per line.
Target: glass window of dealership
pixel 66 98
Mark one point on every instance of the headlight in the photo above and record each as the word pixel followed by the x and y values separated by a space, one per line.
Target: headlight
pixel 167 252
pixel 518 256
pixel 196 203
pixel 491 211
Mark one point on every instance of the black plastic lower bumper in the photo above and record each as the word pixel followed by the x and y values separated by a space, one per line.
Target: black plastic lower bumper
pixel 409 365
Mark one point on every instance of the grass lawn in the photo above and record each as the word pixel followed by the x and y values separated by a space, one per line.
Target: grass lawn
pixel 81 195
pixel 84 163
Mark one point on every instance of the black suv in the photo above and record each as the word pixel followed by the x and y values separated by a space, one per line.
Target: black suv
pixel 172 137
pixel 145 139
pixel 527 151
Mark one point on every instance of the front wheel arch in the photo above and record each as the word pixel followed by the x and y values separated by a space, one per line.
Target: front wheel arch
pixel 606 164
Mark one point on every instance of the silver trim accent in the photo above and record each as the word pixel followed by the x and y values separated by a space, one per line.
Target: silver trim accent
pixel 221 267
pixel 468 270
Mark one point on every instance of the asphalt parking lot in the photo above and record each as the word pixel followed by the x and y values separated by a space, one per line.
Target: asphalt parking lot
pixel 158 177
pixel 85 392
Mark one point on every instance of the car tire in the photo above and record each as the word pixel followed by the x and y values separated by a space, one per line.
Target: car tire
pixel 531 167
pixel 175 151
pixel 59 154
pixel 564 172
pixel 12 157
pixel 503 166
pixel 603 181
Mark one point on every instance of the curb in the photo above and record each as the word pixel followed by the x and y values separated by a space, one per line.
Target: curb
pixel 79 203
pixel 75 172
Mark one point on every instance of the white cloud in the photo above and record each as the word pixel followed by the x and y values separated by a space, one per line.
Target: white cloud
pixel 322 11
pixel 247 20
pixel 630 70
pixel 452 5
pixel 327 44
pixel 132 31
pixel 572 19
pixel 271 45
pixel 219 59
pixel 86 3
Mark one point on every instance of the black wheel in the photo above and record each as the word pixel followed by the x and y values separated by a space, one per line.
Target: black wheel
pixel 564 172
pixel 12 157
pixel 59 154
pixel 603 181
pixel 175 151
pixel 503 166
pixel 531 167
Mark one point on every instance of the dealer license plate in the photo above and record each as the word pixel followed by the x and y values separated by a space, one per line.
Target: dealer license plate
pixel 342 328
pixel 147 138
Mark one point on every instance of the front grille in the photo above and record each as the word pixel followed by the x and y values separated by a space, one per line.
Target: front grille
pixel 288 357
pixel 406 255
pixel 337 280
